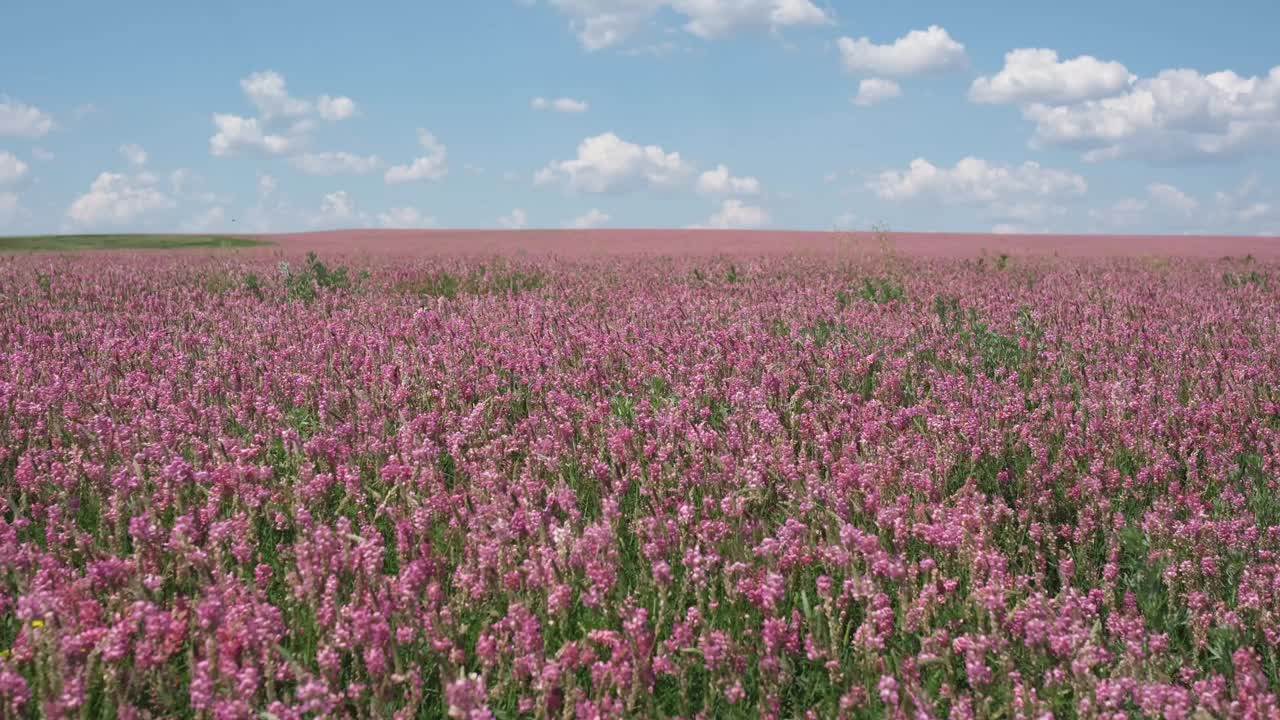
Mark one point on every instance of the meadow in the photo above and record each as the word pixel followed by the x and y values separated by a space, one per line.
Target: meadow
pixel 267 485
pixel 73 243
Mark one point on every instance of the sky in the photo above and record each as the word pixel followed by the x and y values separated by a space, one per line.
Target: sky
pixel 1115 117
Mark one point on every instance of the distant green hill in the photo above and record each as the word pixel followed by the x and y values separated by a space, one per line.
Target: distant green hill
pixel 64 243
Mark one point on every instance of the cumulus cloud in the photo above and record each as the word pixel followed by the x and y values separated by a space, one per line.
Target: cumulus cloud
pixel 267 91
pixel 973 179
pixel 337 205
pixel 335 163
pixel 338 210
pixel 17 119
pixel 592 219
pixel 1172 198
pixel 236 133
pixel 918 52
pixel 1167 208
pixel 405 217
pixel 134 154
pixel 873 91
pixel 283 123
pixel 1035 75
pixel 432 166
pixel 608 164
pixel 115 199
pixel 335 108
pixel 12 170
pixel 560 105
pixel 1178 116
pixel 1241 208
pixel 515 220
pixel 719 181
pixel 715 18
pixel 600 24
pixel 737 215
pixel 41 154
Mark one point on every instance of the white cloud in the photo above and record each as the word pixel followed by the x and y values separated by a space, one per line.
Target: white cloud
pixel 1167 208
pixel 84 110
pixel 337 205
pixel 207 220
pixel 872 91
pixel 916 53
pixel 607 163
pixel 719 181
pixel 338 210
pixel 236 133
pixel 1254 212
pixel 1177 116
pixel 432 166
pixel 11 169
pixel 1033 75
pixel 335 163
pixel 134 154
pixel 974 180
pixel 592 219
pixel 1172 198
pixel 1007 229
pixel 715 18
pixel 267 91
pixel 41 154
pixel 335 108
pixel 734 214
pixel 560 105
pixel 515 220
pixel 284 122
pixel 405 217
pixel 18 119
pixel 603 23
pixel 1241 207
pixel 117 199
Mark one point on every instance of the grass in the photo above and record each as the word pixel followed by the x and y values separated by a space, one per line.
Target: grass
pixel 70 243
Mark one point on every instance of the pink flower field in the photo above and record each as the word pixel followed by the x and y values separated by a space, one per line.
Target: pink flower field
pixel 840 481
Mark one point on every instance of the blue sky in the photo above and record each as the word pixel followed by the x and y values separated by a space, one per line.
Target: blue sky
pixel 1069 117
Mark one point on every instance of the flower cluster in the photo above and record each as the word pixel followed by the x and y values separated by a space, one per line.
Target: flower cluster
pixel 636 487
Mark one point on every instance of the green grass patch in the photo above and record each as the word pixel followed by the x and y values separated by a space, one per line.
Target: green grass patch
pixel 72 243
pixel 498 280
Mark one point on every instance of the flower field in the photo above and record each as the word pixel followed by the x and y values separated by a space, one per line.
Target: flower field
pixel 795 486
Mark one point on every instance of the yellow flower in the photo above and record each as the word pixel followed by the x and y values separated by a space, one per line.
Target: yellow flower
pixel 37 623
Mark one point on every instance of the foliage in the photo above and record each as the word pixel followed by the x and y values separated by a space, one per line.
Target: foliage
pixel 595 488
